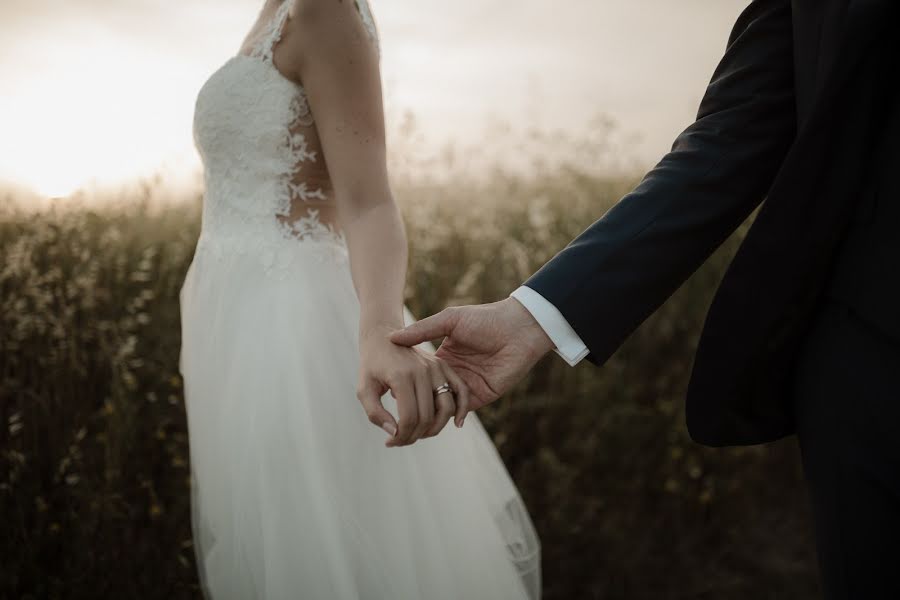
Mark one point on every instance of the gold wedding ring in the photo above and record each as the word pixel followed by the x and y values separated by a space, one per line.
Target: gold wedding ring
pixel 442 389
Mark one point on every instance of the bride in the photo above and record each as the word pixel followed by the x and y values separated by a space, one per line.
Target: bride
pixel 286 310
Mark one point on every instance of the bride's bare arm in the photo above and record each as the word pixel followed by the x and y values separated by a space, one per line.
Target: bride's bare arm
pixel 337 61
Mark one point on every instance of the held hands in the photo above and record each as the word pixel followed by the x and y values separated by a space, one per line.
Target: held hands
pixel 491 346
pixel 412 376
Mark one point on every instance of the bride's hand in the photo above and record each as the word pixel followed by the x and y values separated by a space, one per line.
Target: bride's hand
pixel 412 376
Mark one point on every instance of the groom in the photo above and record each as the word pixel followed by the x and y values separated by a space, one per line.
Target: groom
pixel 804 333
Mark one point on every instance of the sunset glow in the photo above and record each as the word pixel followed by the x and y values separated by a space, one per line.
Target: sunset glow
pixel 104 91
pixel 77 122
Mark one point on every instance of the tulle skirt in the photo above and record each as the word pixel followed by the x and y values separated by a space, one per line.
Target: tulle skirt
pixel 293 493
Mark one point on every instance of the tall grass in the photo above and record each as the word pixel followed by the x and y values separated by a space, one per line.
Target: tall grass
pixel 93 439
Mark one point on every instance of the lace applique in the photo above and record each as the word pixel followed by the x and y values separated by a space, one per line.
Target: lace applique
pixel 299 147
pixel 297 152
pixel 264 47
pixel 310 227
pixel 256 134
pixel 293 191
pixel 300 109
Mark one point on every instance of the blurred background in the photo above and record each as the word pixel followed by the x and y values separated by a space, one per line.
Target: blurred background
pixel 511 128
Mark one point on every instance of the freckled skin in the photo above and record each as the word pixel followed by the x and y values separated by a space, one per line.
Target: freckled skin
pixel 326 46
pixel 314 173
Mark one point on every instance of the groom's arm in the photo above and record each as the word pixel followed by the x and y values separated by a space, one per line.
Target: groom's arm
pixel 624 266
pixel 566 341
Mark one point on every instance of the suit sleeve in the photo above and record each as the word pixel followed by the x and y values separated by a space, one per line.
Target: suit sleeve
pixel 624 266
pixel 565 340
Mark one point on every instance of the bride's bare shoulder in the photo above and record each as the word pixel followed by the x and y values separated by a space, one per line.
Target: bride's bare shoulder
pixel 321 12
pixel 329 23
pixel 321 29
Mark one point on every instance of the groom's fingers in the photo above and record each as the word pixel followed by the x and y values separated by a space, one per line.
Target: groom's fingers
pixel 427 329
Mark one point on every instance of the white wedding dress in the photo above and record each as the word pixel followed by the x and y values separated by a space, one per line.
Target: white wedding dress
pixel 293 493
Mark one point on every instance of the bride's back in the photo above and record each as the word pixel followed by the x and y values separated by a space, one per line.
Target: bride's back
pixel 292 490
pixel 265 172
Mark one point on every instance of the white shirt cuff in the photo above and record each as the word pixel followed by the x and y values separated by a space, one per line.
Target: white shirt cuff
pixel 568 344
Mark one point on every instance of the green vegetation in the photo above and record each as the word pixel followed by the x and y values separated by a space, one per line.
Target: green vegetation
pixel 94 458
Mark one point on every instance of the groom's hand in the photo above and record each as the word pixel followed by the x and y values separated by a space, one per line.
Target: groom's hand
pixel 411 375
pixel 491 346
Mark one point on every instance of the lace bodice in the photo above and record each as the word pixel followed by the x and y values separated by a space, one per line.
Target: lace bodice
pixel 267 187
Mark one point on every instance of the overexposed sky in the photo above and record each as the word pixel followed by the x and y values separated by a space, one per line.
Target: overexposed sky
pixel 105 89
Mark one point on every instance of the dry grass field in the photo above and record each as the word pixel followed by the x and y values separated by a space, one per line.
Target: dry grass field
pixel 94 457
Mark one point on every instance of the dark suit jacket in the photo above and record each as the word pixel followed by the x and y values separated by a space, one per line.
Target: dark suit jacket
pixel 787 103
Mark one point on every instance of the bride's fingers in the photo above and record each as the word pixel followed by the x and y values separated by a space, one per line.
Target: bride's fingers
pixel 369 396
pixel 444 403
pixel 445 407
pixel 425 399
pixel 461 389
pixel 404 392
